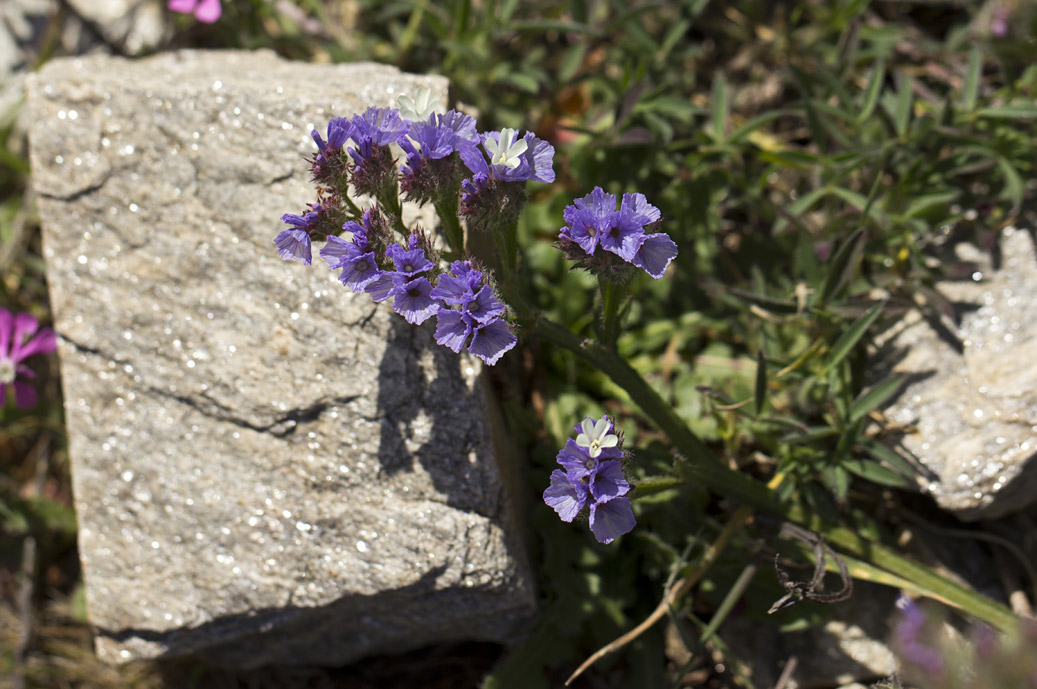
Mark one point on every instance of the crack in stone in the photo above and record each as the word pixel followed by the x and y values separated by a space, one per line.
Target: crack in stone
pixel 283 425
pixel 76 195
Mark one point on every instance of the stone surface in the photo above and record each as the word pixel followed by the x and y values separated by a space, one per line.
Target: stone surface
pixel 267 467
pixel 974 412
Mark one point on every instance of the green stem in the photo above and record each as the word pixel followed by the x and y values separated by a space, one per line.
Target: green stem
pixel 612 295
pixel 507 252
pixel 446 208
pixel 389 199
pixel 738 486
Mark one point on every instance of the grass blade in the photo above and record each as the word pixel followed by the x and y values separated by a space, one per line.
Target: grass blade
pixel 850 338
pixel 843 264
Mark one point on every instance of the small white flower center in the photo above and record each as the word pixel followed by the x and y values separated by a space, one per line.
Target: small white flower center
pixel 595 436
pixel 419 108
pixel 509 151
pixel 7 371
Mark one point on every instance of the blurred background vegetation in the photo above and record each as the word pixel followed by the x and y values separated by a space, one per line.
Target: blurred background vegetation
pixel 812 159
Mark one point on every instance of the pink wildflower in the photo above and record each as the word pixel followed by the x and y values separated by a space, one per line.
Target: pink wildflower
pixel 206 11
pixel 17 343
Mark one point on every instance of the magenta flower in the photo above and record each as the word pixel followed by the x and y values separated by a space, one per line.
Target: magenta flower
pixel 16 344
pixel 206 11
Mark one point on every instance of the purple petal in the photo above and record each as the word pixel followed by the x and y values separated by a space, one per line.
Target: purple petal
pixel 45 342
pixel 453 290
pixel 381 289
pixel 337 251
pixel 359 272
pixel 564 496
pixel 413 301
pixel 609 481
pixel 611 519
pixel 491 341
pixel 575 459
pixel 484 307
pixel 182 5
pixel 24 395
pixel 624 241
pixel 451 330
pixel 655 254
pixel 408 262
pixel 635 211
pixel 475 161
pixel 208 11
pixel 294 245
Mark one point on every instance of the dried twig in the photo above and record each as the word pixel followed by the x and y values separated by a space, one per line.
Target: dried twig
pixel 27 587
pixel 672 595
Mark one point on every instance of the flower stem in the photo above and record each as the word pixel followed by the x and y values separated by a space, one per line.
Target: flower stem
pixel 446 208
pixel 738 486
pixel 612 294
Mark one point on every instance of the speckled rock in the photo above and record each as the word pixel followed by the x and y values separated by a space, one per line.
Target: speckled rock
pixel 267 467
pixel 973 406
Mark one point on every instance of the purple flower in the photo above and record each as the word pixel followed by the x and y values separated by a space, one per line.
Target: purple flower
pixel 408 262
pixel 596 480
pixel 433 172
pixel 17 344
pixel 458 288
pixel 611 518
pixel 479 316
pixel 295 244
pixel 338 133
pixel 376 127
pixel 413 301
pixel 593 221
pixel 912 648
pixel 490 341
pixel 206 11
pixel 512 159
pixel 565 495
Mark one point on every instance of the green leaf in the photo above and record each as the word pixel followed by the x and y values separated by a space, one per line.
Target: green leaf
pixel 875 472
pixel 719 107
pixel 851 337
pixel 970 93
pixel 921 205
pixel 801 205
pixel 882 453
pixel 873 398
pixel 761 382
pixel 872 91
pixel 1010 112
pixel 767 303
pixel 571 61
pixel 843 264
pixel 654 484
pixel 902 116
pixel 1014 185
pixel 523 82
pixel 753 124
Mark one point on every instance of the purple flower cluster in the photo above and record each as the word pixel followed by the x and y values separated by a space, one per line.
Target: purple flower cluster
pixel 593 475
pixel 909 642
pixel 478 316
pixel 606 240
pixel 419 291
pixel 19 340
pixel 444 165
